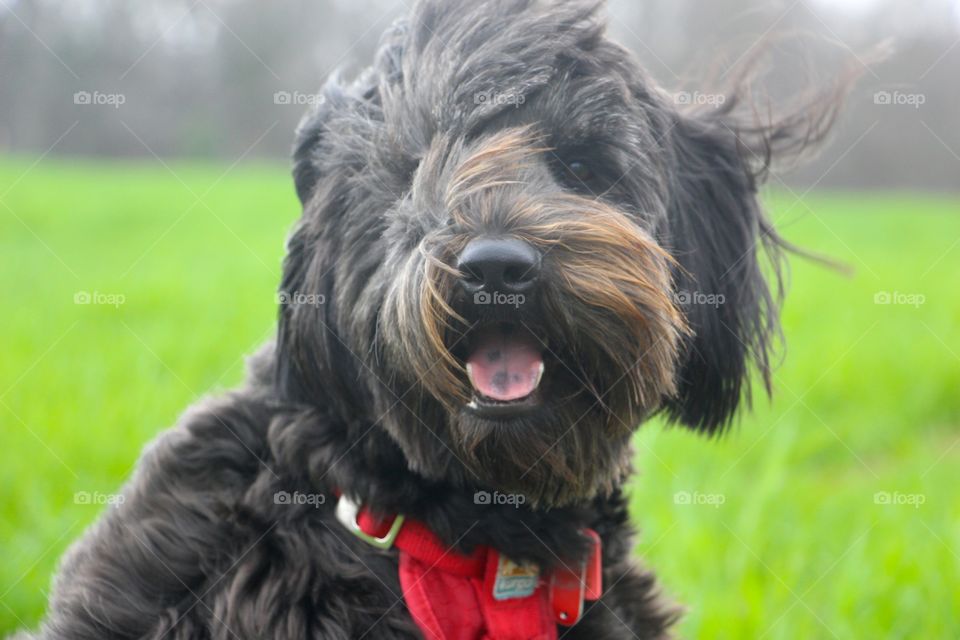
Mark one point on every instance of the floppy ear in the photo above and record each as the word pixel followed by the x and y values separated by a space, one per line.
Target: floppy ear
pixel 311 357
pixel 718 234
pixel 334 143
pixel 314 128
pixel 730 255
pixel 335 113
pixel 309 133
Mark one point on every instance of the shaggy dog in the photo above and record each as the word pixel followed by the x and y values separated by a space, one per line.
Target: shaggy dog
pixel 514 249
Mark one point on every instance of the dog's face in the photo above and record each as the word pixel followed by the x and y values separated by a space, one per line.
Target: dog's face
pixel 517 250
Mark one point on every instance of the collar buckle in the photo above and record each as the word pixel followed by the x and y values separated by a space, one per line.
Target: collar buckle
pixel 348 513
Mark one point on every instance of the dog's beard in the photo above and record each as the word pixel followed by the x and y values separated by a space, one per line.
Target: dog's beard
pixel 554 456
pixel 558 454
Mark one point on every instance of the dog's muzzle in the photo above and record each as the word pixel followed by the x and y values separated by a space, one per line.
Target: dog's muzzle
pixel 505 364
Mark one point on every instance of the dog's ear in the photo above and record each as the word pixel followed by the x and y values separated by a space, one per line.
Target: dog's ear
pixel 729 255
pixel 717 232
pixel 339 106
pixel 305 171
pixel 313 129
pixel 308 346
pixel 335 142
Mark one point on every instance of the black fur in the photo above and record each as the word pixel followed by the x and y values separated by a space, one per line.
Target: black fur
pixel 396 170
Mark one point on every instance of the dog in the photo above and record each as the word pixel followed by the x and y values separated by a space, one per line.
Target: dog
pixel 507 231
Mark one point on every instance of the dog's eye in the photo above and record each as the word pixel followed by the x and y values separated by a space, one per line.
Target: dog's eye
pixel 580 172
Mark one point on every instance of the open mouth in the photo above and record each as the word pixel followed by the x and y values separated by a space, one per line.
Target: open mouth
pixel 505 367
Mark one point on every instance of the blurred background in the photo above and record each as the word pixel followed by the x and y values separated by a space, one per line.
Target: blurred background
pixel 145 199
pixel 221 78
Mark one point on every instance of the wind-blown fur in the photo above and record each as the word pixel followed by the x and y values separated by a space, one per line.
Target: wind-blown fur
pixel 466 125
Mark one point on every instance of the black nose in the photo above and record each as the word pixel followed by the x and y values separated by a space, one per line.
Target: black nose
pixel 504 265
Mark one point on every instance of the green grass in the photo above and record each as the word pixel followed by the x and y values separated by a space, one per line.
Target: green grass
pixel 866 401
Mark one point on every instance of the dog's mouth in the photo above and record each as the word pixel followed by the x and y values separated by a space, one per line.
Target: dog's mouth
pixel 505 366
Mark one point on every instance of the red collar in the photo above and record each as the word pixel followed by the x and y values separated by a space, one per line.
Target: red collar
pixel 452 595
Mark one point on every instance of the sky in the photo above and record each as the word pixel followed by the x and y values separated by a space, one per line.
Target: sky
pixel 856 6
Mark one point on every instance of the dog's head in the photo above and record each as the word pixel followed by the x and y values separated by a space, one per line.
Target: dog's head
pixel 515 248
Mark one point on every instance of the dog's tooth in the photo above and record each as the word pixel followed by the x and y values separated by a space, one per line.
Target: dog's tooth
pixel 540 368
pixel 470 375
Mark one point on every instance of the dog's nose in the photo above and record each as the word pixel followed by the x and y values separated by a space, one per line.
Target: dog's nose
pixel 504 265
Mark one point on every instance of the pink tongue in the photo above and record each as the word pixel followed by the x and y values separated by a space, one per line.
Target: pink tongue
pixel 504 366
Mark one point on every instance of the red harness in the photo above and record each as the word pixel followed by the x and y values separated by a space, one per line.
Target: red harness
pixel 480 596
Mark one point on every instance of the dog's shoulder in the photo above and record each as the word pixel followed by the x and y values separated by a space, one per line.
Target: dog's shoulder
pixel 217 449
pixel 220 444
pixel 180 511
pixel 202 541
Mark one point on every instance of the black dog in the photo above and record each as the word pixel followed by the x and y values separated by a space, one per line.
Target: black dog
pixel 506 238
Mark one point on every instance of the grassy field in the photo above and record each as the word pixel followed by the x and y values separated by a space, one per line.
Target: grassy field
pixel 830 512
